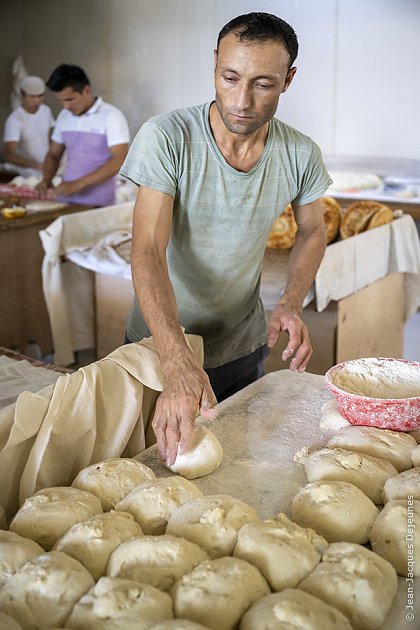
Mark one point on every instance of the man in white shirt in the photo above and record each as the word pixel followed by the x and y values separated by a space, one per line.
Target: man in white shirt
pixel 27 130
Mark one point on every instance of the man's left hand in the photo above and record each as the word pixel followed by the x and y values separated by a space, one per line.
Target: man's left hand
pixel 66 189
pixel 285 319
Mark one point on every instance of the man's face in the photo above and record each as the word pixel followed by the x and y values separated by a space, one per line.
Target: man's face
pixel 76 102
pixel 31 103
pixel 249 79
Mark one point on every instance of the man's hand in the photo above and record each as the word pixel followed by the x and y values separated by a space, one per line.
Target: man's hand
pixel 42 187
pixel 66 189
pixel 187 389
pixel 299 347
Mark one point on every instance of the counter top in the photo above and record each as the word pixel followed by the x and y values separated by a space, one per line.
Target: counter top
pixel 39 217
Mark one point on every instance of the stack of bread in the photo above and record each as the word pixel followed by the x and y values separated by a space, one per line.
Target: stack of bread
pixel 364 215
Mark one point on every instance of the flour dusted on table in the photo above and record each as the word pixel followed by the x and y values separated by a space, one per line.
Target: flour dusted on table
pixel 375 378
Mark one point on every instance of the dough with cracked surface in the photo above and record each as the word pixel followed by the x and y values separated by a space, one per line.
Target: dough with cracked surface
pixel 402 485
pixel 204 456
pixel 113 604
pixel 212 522
pixel 356 581
pixel 283 551
pixel 152 502
pixel 335 509
pixel 49 513
pixel 218 592
pixel 15 550
pixel 7 623
pixel 112 479
pixel 290 609
pixel 93 541
pixel 338 464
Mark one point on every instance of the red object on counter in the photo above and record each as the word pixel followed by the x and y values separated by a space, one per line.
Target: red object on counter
pixel 24 192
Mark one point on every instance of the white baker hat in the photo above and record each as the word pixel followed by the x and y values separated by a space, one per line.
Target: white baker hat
pixel 33 85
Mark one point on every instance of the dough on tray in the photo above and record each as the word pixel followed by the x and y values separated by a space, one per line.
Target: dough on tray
pixel 42 593
pixel 393 446
pixel 402 485
pixel 15 550
pixel 203 457
pixel 112 479
pixel 7 623
pixel 49 513
pixel 284 552
pixel 356 581
pixel 93 541
pixel 177 624
pixel 218 592
pixel 212 522
pixel 290 609
pixel 152 502
pixel 364 471
pixel 395 535
pixel 415 456
pixel 115 604
pixel 335 509
pixel 155 560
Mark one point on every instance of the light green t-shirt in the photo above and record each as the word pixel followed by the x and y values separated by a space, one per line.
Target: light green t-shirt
pixel 221 222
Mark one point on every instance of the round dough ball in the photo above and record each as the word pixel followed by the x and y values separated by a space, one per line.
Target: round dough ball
pixel 293 609
pixel 284 552
pixel 402 485
pixel 416 435
pixel 112 479
pixel 415 456
pixel 204 456
pixel 395 536
pixel 49 513
pixel 155 560
pixel 113 604
pixel 152 502
pixel 338 464
pixel 393 446
pixel 43 592
pixel 7 623
pixel 15 550
pixel 212 522
pixel 218 592
pixel 93 541
pixel 178 624
pixel 356 581
pixel 335 509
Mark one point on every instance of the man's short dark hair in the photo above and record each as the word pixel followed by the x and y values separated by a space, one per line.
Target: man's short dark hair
pixel 262 27
pixel 66 75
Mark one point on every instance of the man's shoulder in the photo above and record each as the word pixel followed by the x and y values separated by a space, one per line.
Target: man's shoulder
pixel 290 135
pixel 107 109
pixel 181 117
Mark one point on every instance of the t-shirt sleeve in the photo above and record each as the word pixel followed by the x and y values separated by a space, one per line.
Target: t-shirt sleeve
pixel 315 179
pixel 117 130
pixel 12 130
pixel 151 160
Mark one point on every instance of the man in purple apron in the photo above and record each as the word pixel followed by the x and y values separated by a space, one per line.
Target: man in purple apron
pixel 94 135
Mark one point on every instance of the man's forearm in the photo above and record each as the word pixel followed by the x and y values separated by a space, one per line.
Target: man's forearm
pixel 19 160
pixel 50 167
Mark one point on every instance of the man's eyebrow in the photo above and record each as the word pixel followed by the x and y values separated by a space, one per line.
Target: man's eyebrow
pixel 269 77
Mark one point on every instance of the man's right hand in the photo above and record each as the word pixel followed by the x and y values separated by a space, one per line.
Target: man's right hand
pixel 43 187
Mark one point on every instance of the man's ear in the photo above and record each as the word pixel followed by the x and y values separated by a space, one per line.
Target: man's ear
pixel 214 59
pixel 289 78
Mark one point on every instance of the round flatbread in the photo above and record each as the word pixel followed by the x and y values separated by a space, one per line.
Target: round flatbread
pixel 357 216
pixel 283 231
pixel 381 217
pixel 332 217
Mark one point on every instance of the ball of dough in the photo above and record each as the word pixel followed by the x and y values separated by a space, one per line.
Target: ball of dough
pixel 402 485
pixel 7 623
pixel 337 464
pixel 113 604
pixel 49 513
pixel 43 592
pixel 395 535
pixel 93 541
pixel 416 435
pixel 284 552
pixel 212 522
pixel 155 560
pixel 112 479
pixel 15 550
pixel 415 456
pixel 356 581
pixel 393 446
pixel 177 624
pixel 152 502
pixel 335 509
pixel 203 457
pixel 218 592
pixel 293 609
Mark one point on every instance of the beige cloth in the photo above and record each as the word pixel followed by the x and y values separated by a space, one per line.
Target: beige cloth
pixel 100 411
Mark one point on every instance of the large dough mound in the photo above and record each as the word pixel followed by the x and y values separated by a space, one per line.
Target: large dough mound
pixel 403 485
pixel 218 592
pixel 393 446
pixel 115 604
pixel 395 535
pixel 15 550
pixel 7 623
pixel 335 509
pixel 152 502
pixel 212 522
pixel 155 560
pixel 42 593
pixel 48 514
pixel 112 479
pixel 337 464
pixel 93 541
pixel 293 609
pixel 284 552
pixel 203 457
pixel 356 581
